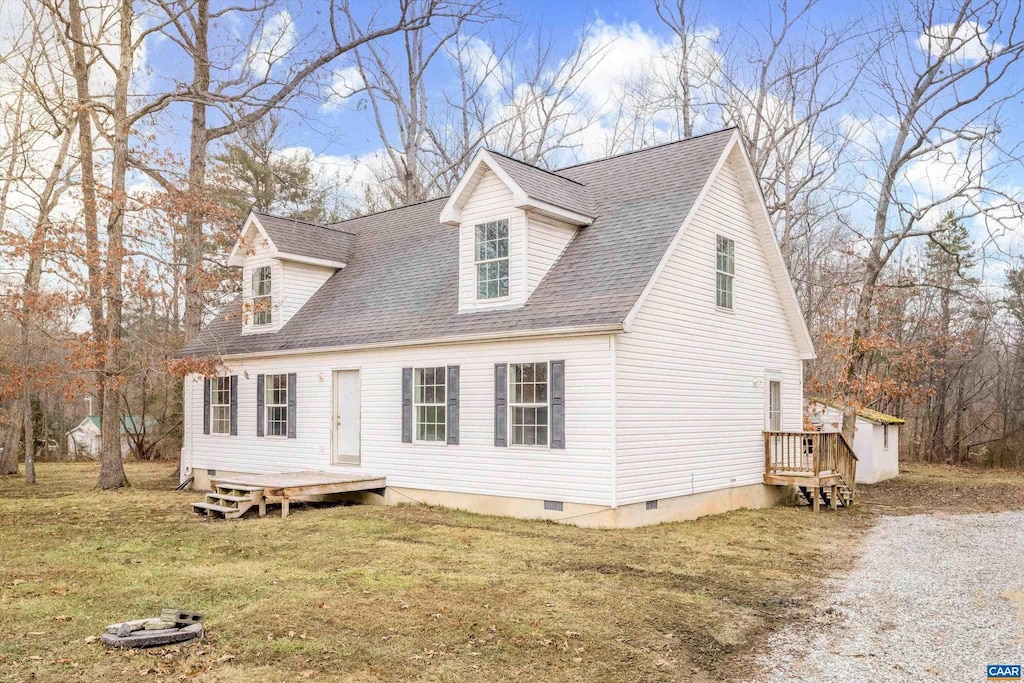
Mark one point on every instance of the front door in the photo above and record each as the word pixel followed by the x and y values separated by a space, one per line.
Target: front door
pixel 346 417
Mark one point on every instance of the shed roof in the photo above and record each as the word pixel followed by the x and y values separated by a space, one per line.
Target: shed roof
pixel 876 416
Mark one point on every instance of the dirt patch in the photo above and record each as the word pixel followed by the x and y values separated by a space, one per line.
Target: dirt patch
pixel 937 488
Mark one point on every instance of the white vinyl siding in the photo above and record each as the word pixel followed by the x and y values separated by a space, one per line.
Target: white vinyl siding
pixel 489 201
pixel 691 398
pixel 220 405
pixel 546 240
pixel 429 393
pixel 582 472
pixel 300 282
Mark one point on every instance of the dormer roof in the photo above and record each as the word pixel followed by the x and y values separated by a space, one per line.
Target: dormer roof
pixel 295 240
pixel 533 188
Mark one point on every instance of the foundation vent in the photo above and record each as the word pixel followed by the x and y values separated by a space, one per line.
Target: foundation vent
pixel 652 505
pixel 555 505
pixel 211 473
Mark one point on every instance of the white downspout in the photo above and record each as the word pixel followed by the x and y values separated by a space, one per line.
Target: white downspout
pixel 614 422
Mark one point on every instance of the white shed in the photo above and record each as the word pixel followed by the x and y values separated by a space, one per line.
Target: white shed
pixel 84 439
pixel 876 442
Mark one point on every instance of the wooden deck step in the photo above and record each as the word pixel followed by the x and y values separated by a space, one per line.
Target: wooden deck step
pixel 213 507
pixel 229 497
pixel 235 487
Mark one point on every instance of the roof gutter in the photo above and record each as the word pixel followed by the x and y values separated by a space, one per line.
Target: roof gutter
pixel 577 331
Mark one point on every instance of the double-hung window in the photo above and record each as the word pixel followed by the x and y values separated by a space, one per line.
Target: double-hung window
pixel 528 391
pixel 491 260
pixel 725 272
pixel 220 405
pixel 276 404
pixel 262 299
pixel 429 396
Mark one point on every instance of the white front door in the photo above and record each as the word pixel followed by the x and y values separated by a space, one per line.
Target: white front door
pixel 346 417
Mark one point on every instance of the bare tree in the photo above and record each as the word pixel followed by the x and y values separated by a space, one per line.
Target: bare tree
pixel 688 76
pixel 941 79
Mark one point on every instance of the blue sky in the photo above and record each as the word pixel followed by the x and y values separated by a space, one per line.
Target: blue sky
pixel 345 144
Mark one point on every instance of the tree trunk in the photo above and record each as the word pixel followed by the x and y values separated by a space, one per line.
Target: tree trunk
pixel 111 467
pixel 858 360
pixel 30 447
pixel 939 450
pixel 12 444
pixel 88 184
pixel 198 143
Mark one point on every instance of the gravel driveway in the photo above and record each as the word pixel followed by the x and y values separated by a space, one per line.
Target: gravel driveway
pixel 932 598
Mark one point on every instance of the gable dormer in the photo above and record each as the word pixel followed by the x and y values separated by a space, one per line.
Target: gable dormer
pixel 514 220
pixel 284 262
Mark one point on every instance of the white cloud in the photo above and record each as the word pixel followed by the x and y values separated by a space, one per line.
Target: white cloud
pixel 485 66
pixel 276 40
pixel 970 42
pixel 345 82
pixel 351 177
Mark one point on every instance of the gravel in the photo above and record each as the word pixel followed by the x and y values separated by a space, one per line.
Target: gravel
pixel 931 597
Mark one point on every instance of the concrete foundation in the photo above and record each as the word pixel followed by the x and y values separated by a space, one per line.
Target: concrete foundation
pixel 675 509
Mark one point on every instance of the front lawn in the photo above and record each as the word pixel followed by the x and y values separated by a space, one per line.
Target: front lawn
pixel 391 594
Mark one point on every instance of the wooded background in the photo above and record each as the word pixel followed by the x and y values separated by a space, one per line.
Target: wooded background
pixel 887 149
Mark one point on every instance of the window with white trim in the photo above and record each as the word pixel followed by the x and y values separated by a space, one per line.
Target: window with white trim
pixel 429 397
pixel 725 271
pixel 262 298
pixel 774 405
pixel 276 404
pixel 491 260
pixel 528 403
pixel 220 405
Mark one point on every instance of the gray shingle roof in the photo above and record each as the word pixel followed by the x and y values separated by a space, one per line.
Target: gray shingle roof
pixel 547 186
pixel 307 239
pixel 401 282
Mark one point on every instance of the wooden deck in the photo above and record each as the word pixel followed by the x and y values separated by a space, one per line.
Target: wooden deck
pixel 822 465
pixel 284 487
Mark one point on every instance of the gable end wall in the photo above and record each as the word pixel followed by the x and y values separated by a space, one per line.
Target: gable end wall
pixel 690 378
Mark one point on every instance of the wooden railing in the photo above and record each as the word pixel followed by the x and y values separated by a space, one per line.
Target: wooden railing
pixel 809 454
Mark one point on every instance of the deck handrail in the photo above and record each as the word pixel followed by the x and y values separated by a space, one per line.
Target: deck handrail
pixel 808 453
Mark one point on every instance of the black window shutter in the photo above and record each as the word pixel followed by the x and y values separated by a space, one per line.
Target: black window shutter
pixel 291 404
pixel 501 404
pixel 453 404
pixel 407 405
pixel 259 405
pixel 234 405
pixel 556 398
pixel 206 405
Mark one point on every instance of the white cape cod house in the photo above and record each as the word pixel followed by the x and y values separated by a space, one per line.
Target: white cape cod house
pixel 606 343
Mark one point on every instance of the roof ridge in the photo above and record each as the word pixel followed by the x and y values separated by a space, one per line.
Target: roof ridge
pixel 299 220
pixel 394 208
pixel 647 149
pixel 534 166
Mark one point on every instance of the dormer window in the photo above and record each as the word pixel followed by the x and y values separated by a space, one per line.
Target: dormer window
pixel 262 299
pixel 492 260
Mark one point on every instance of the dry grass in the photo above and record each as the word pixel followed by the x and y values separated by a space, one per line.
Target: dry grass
pixel 388 594
pixel 940 488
